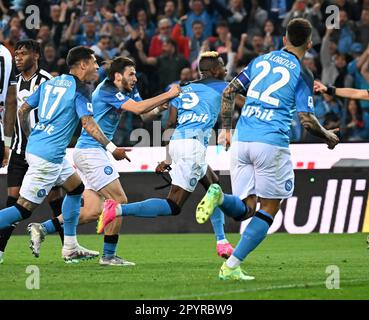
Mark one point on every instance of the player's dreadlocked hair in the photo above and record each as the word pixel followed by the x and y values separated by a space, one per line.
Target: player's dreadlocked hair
pixel 208 60
pixel 29 44
pixel 118 64
pixel 299 31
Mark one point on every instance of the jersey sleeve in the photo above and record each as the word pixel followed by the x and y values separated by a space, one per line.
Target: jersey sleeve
pixel 136 95
pixel 244 77
pixel 176 102
pixel 83 105
pixel 12 78
pixel 34 99
pixel 304 94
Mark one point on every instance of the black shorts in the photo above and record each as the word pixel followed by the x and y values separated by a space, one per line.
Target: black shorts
pixel 17 169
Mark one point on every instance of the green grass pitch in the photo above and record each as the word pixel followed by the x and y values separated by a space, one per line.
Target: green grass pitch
pixel 185 266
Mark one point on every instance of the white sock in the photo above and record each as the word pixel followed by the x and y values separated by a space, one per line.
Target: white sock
pixel 232 262
pixel 118 210
pixel 1 254
pixel 224 241
pixel 70 242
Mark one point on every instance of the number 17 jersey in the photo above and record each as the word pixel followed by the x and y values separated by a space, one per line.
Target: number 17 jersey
pixel 277 86
pixel 61 102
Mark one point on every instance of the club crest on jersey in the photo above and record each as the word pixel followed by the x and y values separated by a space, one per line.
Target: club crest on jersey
pixel 41 193
pixel 120 96
pixel 193 182
pixel 288 185
pixel 108 170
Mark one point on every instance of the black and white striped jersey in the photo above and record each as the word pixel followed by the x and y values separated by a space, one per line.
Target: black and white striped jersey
pixel 25 88
pixel 7 78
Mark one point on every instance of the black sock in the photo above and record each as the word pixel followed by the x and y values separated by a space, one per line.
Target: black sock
pixel 5 236
pixel 56 207
pixel 58 228
pixel 11 201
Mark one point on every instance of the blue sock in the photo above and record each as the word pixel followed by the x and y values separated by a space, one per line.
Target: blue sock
pixel 149 208
pixel 8 216
pixel 217 220
pixel 234 207
pixel 70 208
pixel 254 234
pixel 110 245
pixel 49 227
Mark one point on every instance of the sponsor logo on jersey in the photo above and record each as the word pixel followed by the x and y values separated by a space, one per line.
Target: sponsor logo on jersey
pixel 120 96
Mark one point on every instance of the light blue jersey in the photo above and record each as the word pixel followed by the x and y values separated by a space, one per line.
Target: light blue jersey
pixel 278 86
pixel 198 108
pixel 107 101
pixel 61 102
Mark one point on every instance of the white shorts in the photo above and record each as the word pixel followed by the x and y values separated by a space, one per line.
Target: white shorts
pixel 43 175
pixel 261 169
pixel 190 166
pixel 95 168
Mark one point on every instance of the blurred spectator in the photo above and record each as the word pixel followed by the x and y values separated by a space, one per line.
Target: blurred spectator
pixel 156 44
pixel 329 111
pixel 272 40
pixel 334 64
pixel 202 12
pixel 256 19
pixel 171 12
pixel 168 65
pixel 51 62
pixel 354 69
pixel 310 63
pixel 362 28
pixel 14 37
pixel 143 22
pixel 235 14
pixel 345 35
pixel 101 49
pixel 357 123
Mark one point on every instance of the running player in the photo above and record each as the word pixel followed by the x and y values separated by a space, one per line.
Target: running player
pixel 8 107
pixel 115 94
pixel 196 111
pixel 62 101
pixel 27 55
pixel 277 86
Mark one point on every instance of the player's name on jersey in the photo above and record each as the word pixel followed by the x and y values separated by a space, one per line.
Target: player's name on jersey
pixel 63 83
pixel 282 61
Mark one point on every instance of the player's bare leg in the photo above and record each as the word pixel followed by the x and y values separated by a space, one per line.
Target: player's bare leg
pixel 224 248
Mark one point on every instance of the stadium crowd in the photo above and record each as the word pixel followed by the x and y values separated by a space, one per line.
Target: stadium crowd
pixel 166 37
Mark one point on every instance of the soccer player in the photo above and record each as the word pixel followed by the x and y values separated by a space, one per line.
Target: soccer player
pixel 350 93
pixel 196 112
pixel 62 101
pixel 277 86
pixel 9 103
pixel 27 55
pixel 116 94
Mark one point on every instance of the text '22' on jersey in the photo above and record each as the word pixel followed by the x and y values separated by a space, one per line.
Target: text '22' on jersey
pixel 61 102
pixel 198 107
pixel 278 86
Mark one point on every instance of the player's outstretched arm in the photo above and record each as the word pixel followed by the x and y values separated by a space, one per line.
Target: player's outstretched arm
pixel 93 129
pixel 23 114
pixel 350 93
pixel 150 104
pixel 311 124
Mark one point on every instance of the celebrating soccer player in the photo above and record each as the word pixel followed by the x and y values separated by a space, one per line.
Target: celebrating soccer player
pixel 277 86
pixel 196 111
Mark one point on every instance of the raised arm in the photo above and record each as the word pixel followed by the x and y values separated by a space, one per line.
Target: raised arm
pixel 149 104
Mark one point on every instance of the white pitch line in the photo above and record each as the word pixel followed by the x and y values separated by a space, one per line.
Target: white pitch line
pixel 288 286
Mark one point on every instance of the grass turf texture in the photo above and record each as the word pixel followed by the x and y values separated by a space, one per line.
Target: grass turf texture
pixel 185 266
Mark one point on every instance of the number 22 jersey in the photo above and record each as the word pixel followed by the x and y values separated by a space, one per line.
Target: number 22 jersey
pixel 278 86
